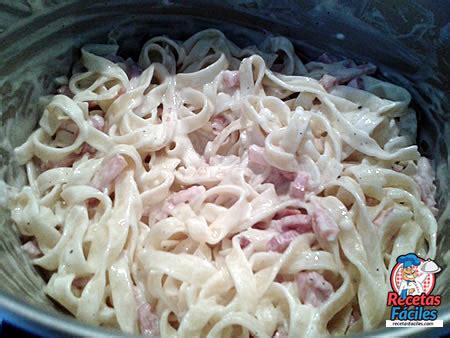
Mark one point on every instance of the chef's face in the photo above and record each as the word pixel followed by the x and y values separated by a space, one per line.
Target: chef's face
pixel 409 273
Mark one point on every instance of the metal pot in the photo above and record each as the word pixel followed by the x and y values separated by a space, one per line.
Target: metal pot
pixel 39 40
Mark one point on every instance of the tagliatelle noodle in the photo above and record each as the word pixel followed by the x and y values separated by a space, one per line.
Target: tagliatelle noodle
pixel 197 150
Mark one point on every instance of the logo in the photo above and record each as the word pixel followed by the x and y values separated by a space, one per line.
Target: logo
pixel 412 304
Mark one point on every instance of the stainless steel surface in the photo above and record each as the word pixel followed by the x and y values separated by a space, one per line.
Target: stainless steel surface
pixel 39 40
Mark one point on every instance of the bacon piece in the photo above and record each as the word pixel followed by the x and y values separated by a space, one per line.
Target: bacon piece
pixel 280 279
pixel 92 105
pixel 299 223
pixel 290 223
pixel 108 172
pixel 323 225
pixel 424 179
pixel 80 282
pixel 280 242
pixel 244 242
pixel 327 58
pixel 65 162
pixel 87 148
pixel 344 75
pixel 355 316
pixel 256 155
pixel 219 123
pixel 382 216
pixel 279 178
pixel 397 167
pixel 370 201
pixel 179 197
pixel 260 226
pixel 300 185
pixel 92 203
pixel 98 122
pixel 280 333
pixel 328 82
pixel 313 288
pixel 32 249
pixel 148 321
pixel 187 195
pixel 231 78
pixel 65 90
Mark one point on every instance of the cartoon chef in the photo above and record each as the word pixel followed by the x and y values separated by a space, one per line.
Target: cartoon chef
pixel 410 285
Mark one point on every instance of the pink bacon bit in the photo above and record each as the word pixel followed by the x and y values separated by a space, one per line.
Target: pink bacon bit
pixel 327 58
pixel 298 188
pixel 371 202
pixel 279 177
pixel 231 78
pixel 355 316
pixel 256 155
pixel 280 242
pixel 219 122
pixel 313 288
pixel 324 226
pixel 98 122
pixel 280 279
pixel 80 282
pixel 424 179
pixel 344 75
pixel 68 161
pixel 260 226
pixel 397 167
pixel 182 196
pixel 299 223
pixel 108 172
pixel 243 242
pixel 328 82
pixel 280 333
pixel 148 321
pixel 382 216
pixel 32 249
pixel 87 149
pixel 65 90
pixel 93 105
pixel 187 195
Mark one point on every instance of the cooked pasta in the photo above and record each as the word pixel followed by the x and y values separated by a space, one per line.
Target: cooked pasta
pixel 214 191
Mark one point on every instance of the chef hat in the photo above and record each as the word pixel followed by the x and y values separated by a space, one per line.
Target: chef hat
pixel 408 260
